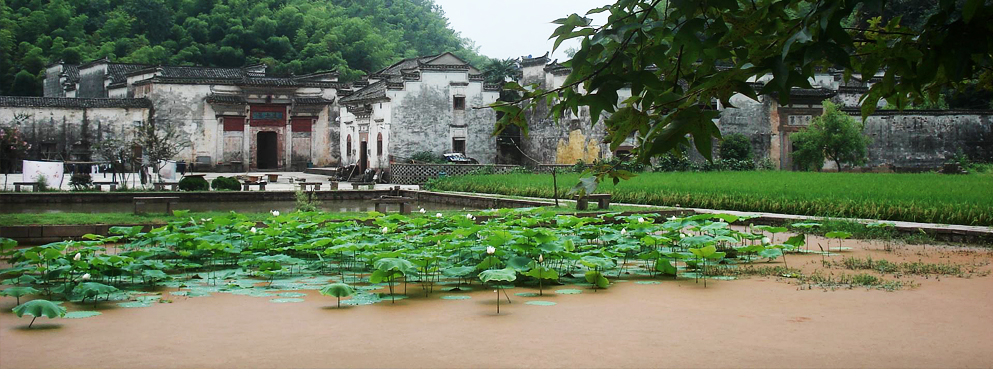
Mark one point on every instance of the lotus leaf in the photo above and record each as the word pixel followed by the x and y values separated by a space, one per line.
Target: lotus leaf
pixel 338 290
pixel 499 275
pixel 93 289
pixel 17 292
pixel 37 308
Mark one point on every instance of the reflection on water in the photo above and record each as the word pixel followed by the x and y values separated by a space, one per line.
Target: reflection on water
pixel 257 206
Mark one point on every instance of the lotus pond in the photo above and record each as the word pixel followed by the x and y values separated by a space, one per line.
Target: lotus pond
pixel 352 259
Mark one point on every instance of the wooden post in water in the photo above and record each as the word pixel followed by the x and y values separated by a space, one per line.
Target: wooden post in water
pixel 555 187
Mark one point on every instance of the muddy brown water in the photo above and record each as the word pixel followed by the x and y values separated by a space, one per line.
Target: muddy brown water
pixel 756 322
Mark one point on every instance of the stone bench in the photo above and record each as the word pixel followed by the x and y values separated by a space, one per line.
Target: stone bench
pixel 140 202
pixel 356 185
pixel 405 203
pixel 160 186
pixel 35 186
pixel 99 185
pixel 247 185
pixel 305 185
pixel 602 199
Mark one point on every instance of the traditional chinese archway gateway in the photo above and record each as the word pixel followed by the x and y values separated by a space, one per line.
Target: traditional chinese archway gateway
pixel 267 132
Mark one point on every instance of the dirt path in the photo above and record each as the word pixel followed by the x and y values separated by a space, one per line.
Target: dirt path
pixel 754 322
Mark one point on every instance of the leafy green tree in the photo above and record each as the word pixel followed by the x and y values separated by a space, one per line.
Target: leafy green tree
pixel 291 36
pixel 736 147
pixel 25 84
pixel 835 136
pixel 679 56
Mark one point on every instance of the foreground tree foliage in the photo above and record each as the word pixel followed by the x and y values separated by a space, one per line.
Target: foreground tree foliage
pixel 833 135
pixel 680 57
pixel 291 36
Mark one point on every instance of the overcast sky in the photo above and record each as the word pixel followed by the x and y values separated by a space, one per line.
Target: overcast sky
pixel 513 28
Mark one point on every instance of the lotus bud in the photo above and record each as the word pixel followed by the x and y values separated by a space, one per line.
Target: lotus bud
pixel 86 277
pixel 438 215
pixel 541 258
pixel 423 211
pixel 641 220
pixel 624 231
pixel 490 250
pixel 254 230
pixel 386 229
pixel 76 258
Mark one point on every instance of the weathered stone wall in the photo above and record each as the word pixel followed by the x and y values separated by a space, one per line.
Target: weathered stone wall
pixel 184 107
pixel 752 119
pixel 70 133
pixel 924 140
pixel 423 118
pixel 91 81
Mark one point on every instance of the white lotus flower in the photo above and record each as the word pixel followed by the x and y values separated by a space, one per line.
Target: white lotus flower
pixel 624 231
pixel 641 220
pixel 490 250
pixel 438 215
pixel 468 216
pixel 766 240
pixel 386 229
pixel 541 258
pixel 423 211
pixel 78 255
pixel 86 277
pixel 254 230
pixel 673 217
pixel 275 213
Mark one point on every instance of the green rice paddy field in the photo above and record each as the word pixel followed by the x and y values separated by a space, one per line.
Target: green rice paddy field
pixel 919 197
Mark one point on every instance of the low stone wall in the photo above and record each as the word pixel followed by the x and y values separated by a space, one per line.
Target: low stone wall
pixel 472 202
pixel 416 174
pixel 205 196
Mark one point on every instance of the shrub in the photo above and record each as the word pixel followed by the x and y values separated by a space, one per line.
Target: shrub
pixel 620 164
pixel 194 184
pixel 428 158
pixel 223 183
pixel 42 183
pixel 673 163
pixel 306 202
pixel 736 146
pixel 80 181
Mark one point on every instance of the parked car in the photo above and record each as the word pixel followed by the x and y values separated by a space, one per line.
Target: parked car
pixel 460 158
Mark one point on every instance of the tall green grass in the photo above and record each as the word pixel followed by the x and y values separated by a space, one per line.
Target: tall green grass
pixel 924 197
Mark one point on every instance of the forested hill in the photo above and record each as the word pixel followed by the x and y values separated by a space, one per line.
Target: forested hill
pixel 291 36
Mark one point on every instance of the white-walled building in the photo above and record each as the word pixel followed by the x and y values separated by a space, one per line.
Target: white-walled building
pixel 415 105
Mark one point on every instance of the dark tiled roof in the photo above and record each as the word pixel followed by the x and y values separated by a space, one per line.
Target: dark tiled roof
pixel 815 92
pixel 118 72
pixel 71 102
pixel 72 72
pixel 373 91
pixel 311 101
pixel 226 99
pixel 201 72
pixel 408 63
